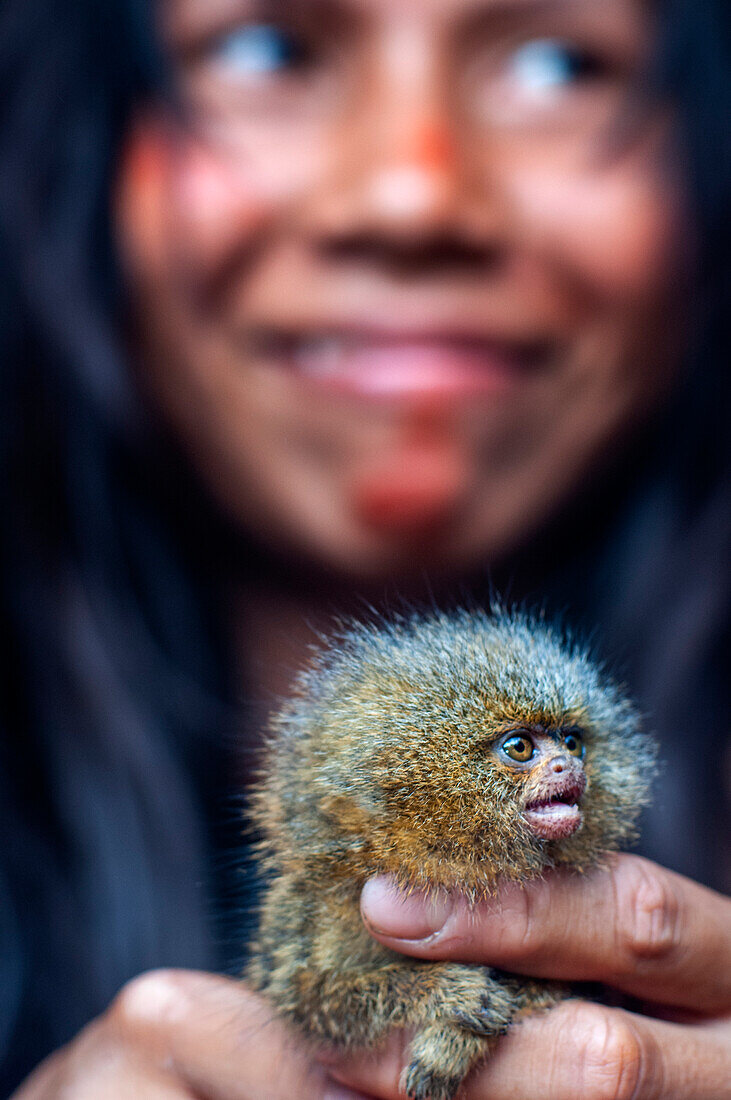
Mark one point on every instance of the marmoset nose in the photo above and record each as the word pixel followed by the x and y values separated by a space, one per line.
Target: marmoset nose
pixel 559 764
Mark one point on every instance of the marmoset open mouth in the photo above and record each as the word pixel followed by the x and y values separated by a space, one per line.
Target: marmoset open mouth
pixel 555 816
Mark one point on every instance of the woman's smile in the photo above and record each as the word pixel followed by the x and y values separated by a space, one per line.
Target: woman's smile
pixel 399 366
pixel 402 212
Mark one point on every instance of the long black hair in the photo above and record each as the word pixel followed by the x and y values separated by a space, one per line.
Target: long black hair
pixel 112 695
pixel 115 689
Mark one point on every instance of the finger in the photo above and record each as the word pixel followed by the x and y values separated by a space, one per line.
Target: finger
pixel 88 1070
pixel 578 1051
pixel 634 926
pixel 115 1081
pixel 223 1042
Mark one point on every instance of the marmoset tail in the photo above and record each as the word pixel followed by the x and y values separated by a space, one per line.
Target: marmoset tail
pixel 447 751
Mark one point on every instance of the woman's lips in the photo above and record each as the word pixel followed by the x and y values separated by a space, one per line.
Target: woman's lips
pixel 415 484
pixel 391 367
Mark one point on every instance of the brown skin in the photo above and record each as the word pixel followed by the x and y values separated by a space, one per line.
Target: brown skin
pixel 585 253
pixel 318 214
pixel 179 1035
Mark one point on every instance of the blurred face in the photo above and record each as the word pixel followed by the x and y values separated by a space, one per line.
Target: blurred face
pixel 404 273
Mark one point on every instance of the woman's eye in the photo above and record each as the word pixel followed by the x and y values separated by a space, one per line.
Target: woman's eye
pixel 548 64
pixel 260 50
pixel 518 747
pixel 574 744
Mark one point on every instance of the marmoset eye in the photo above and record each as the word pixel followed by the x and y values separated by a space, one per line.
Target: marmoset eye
pixel 574 744
pixel 518 747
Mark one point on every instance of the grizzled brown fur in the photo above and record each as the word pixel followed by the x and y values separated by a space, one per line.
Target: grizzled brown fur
pixel 385 762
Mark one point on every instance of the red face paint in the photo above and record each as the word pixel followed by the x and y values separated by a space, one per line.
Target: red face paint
pixel 415 486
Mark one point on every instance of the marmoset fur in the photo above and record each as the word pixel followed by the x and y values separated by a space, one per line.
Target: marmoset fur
pixel 448 751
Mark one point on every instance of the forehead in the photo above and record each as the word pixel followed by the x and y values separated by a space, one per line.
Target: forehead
pixel 465 667
pixel 191 13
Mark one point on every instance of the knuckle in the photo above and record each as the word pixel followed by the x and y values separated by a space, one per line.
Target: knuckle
pixel 649 912
pixel 612 1056
pixel 523 927
pixel 528 929
pixel 149 1002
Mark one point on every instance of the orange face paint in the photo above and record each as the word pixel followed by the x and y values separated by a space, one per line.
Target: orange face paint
pixel 431 147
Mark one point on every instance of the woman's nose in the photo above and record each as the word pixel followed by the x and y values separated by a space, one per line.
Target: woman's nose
pixel 399 168
pixel 413 188
pixel 406 185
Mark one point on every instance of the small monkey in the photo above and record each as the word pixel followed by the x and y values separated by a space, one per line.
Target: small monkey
pixel 447 751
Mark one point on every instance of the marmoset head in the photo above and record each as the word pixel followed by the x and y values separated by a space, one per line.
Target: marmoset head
pixel 458 747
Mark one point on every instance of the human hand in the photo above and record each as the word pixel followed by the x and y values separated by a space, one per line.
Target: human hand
pixel 183 1035
pixel 640 929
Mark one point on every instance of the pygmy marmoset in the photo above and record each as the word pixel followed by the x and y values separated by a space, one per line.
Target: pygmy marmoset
pixel 446 750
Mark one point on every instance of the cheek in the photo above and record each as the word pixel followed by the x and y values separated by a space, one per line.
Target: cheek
pixel 179 200
pixel 612 228
pixel 180 212
pixel 174 201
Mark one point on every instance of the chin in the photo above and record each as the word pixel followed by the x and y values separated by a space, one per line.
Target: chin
pixel 401 561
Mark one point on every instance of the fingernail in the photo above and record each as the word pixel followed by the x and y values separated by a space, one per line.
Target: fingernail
pixel 390 912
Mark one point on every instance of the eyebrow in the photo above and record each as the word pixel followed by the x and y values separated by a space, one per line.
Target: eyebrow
pixel 487 12
pixel 187 18
pixel 622 21
pixel 183 20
